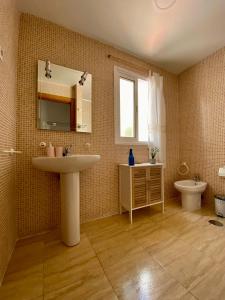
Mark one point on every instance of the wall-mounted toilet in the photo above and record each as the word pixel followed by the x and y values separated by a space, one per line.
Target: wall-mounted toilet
pixel 191 191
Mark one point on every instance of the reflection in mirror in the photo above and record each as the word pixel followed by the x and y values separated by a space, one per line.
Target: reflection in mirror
pixel 64 98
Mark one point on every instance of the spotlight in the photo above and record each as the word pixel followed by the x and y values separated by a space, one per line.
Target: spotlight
pixel 48 69
pixel 83 78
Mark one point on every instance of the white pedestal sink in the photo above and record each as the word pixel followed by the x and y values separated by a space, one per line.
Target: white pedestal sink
pixel 69 168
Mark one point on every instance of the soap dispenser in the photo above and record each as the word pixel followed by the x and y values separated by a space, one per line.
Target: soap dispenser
pixel 50 150
pixel 131 158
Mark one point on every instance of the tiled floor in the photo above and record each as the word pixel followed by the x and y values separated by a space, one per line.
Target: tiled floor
pixel 178 255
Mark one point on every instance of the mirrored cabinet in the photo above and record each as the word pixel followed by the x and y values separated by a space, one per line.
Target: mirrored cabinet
pixel 64 98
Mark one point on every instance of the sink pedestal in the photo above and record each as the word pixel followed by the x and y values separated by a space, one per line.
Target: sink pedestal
pixel 69 168
pixel 70 208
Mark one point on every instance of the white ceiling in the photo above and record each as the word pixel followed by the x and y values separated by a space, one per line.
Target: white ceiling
pixel 173 39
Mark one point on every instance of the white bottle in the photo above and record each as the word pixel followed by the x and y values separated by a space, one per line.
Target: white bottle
pixel 50 150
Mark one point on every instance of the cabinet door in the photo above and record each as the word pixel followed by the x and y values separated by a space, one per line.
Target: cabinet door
pixel 139 187
pixel 154 184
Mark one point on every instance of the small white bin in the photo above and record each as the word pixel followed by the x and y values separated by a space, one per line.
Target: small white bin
pixel 220 205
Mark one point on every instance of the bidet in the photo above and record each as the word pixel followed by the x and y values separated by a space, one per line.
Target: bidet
pixel 191 191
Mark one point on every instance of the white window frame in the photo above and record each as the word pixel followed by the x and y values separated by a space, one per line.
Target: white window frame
pixel 129 75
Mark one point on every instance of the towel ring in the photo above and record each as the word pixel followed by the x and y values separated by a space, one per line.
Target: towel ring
pixel 183 169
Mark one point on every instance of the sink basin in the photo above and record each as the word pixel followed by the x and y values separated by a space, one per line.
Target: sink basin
pixel 67 164
pixel 69 168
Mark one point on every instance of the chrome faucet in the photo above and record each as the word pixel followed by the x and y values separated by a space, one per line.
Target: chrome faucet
pixel 67 150
pixel 196 178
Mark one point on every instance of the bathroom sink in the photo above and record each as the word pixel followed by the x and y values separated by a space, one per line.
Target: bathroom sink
pixel 67 164
pixel 69 168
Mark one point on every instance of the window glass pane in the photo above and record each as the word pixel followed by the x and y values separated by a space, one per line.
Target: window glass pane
pixel 126 108
pixel 143 110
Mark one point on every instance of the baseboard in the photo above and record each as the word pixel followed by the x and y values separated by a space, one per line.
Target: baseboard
pixel 6 267
pixel 37 234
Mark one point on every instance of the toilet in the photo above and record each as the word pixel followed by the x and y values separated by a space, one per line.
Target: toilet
pixel 191 191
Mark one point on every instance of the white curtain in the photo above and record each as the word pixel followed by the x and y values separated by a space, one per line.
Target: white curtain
pixel 157 117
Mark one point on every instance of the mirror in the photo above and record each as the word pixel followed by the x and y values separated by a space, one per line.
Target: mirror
pixel 64 98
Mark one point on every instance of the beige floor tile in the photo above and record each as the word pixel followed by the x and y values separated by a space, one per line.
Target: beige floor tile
pixel 25 257
pixel 150 236
pixel 206 212
pixel 104 241
pixel 157 216
pixel 24 277
pixel 118 223
pixel 192 234
pixel 152 214
pixel 141 230
pixel 215 250
pixel 111 250
pixel 99 235
pixel 191 216
pixel 34 270
pixel 176 223
pixel 66 266
pixel 112 241
pixel 78 273
pixel 190 268
pixel 57 250
pixel 176 255
pixel 213 286
pixel 139 216
pixel 167 251
pixel 44 237
pixel 201 237
pixel 188 296
pixel 139 276
pixel 23 288
pixel 95 288
pixel 105 225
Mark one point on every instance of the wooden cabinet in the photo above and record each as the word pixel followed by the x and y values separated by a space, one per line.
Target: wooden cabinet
pixel 140 186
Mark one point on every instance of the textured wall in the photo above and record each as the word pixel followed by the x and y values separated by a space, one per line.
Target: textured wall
pixel 8 40
pixel 202 120
pixel 38 204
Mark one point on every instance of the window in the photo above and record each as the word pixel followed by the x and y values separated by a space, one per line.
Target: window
pixel 127 108
pixel 131 107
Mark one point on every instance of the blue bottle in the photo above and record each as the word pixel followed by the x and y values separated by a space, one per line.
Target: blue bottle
pixel 131 158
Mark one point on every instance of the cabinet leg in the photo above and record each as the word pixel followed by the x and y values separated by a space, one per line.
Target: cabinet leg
pixel 131 217
pixel 163 207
